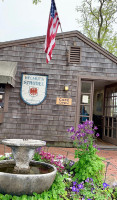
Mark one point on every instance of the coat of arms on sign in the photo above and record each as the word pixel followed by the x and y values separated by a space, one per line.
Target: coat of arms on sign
pixel 33 88
pixel 33 91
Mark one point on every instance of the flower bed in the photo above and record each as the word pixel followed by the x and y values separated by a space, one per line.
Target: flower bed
pixel 84 179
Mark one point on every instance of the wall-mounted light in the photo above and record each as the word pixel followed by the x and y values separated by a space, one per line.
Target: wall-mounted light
pixel 66 87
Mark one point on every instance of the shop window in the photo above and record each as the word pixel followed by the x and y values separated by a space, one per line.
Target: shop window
pixel 2 98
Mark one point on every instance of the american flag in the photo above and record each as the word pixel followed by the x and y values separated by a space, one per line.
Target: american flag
pixel 53 24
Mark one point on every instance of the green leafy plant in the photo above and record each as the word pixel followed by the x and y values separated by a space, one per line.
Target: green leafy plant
pixel 89 165
pixel 2 157
pixel 115 193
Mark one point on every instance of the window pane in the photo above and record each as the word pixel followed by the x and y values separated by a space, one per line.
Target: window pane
pixel 106 131
pixel 110 122
pixel 106 121
pixel 110 132
pixel 115 122
pixel 1 100
pixel 114 133
pixel 84 110
pixel 85 87
pixel 83 119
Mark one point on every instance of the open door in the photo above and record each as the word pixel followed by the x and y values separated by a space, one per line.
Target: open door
pixel 110 114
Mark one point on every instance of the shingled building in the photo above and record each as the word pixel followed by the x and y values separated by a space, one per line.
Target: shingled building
pixel 41 101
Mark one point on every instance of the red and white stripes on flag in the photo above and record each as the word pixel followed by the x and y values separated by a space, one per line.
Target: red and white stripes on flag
pixel 53 24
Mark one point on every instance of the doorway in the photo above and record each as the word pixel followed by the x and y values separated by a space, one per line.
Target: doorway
pixel 97 101
pixel 110 114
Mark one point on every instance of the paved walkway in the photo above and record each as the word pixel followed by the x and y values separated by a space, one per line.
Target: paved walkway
pixel 109 154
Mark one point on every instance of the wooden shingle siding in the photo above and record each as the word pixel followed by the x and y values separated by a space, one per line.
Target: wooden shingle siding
pixel 49 121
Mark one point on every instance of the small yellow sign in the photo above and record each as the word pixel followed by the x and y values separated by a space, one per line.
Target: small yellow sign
pixel 63 101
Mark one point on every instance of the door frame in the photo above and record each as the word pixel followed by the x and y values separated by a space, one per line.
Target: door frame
pixel 87 78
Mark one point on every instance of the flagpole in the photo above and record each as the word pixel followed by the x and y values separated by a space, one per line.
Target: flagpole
pixel 62 32
pixel 63 37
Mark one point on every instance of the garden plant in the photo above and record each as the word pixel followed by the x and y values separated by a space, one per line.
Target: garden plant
pixel 81 180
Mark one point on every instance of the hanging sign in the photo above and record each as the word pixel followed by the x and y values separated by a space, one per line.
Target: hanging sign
pixel 33 88
pixel 63 101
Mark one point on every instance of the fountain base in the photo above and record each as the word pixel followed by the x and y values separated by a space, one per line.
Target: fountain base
pixel 40 178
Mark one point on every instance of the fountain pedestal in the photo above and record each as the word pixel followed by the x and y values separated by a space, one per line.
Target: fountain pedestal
pixel 23 152
pixel 22 157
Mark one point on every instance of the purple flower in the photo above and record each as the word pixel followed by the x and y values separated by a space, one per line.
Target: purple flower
pixel 80 186
pixel 83 134
pixel 72 129
pixel 38 149
pixel 74 182
pixel 91 132
pixel 81 126
pixel 95 128
pixel 91 179
pixel 73 137
pixel 73 189
pixel 71 163
pixel 89 199
pixel 92 190
pixel 88 123
pixel 77 190
pixel 97 134
pixel 85 141
pixel 105 185
pixel 87 180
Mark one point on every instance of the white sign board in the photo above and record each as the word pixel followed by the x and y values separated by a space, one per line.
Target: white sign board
pixel 85 98
pixel 33 88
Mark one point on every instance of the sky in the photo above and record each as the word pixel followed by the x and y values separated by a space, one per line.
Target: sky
pixel 22 19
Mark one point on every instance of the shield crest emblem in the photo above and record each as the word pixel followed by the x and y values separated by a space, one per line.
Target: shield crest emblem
pixel 33 88
pixel 33 91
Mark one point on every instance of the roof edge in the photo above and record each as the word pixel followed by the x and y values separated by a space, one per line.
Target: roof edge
pixel 62 36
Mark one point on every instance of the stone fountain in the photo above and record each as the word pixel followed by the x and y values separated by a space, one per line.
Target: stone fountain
pixel 22 175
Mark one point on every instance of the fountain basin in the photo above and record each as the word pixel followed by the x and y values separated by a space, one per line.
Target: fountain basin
pixel 18 184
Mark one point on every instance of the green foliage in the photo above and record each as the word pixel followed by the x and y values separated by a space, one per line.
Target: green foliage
pixel 2 157
pixel 115 193
pixel 37 157
pixel 89 165
pixel 36 1
pixel 98 19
